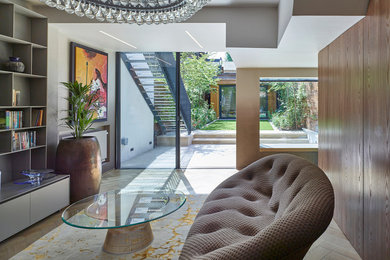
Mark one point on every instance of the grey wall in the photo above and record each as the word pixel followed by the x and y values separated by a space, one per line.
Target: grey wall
pixel 330 7
pixel 285 13
pixel 246 27
pixel 137 121
pixel 58 71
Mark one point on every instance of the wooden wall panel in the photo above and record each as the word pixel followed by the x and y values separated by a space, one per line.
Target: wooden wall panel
pixel 377 131
pixel 323 78
pixel 341 131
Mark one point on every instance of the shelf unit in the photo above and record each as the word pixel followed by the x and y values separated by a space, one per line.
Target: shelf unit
pixel 23 33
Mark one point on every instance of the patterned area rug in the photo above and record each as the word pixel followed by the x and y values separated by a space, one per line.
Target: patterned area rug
pixel 66 242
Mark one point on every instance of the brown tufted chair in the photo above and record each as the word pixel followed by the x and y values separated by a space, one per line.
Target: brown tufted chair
pixel 273 209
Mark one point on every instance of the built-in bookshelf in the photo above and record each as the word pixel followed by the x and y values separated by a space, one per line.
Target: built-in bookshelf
pixel 23 96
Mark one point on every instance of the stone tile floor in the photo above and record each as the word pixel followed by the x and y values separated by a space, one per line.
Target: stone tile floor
pixel 331 245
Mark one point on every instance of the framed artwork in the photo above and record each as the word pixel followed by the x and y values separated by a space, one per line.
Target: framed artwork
pixel 90 66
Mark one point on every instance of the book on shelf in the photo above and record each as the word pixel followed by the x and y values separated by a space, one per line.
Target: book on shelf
pixel 15 97
pixel 11 119
pixel 2 120
pixel 39 118
pixel 24 140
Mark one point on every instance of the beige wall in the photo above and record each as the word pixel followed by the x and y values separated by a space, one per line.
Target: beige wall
pixel 248 106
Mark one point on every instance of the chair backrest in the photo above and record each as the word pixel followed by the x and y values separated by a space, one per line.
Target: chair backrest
pixel 275 208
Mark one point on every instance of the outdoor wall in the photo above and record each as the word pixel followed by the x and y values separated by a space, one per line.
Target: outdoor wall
pixel 58 71
pixel 137 121
pixel 248 106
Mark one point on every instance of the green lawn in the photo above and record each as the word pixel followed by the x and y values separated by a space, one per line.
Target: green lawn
pixel 231 125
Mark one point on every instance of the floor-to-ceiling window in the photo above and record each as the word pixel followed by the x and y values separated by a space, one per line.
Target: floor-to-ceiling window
pixel 148 103
pixel 147 113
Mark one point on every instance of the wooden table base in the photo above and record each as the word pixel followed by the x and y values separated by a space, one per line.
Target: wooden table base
pixel 128 239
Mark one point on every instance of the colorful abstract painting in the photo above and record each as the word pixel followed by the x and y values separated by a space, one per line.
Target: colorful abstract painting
pixel 90 66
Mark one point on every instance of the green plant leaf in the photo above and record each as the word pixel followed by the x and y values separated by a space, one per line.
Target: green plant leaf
pixel 83 105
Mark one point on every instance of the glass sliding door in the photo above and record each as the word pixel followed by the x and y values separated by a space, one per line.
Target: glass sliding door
pixel 264 114
pixel 227 102
pixel 147 110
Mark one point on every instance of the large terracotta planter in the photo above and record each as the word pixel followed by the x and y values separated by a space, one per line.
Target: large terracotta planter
pixel 81 159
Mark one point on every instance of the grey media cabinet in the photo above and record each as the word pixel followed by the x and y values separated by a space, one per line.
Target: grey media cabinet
pixel 24 34
pixel 24 205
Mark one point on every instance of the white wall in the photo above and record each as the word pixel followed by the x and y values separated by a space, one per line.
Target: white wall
pixel 137 121
pixel 58 71
pixel 285 14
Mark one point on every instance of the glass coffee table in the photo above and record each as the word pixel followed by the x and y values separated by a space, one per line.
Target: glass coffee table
pixel 126 215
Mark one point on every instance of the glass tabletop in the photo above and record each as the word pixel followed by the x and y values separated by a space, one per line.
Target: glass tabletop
pixel 121 208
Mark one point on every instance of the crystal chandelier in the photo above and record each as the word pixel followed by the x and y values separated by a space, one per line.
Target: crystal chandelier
pixel 131 11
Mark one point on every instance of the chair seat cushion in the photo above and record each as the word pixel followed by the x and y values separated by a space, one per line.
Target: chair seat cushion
pixel 273 209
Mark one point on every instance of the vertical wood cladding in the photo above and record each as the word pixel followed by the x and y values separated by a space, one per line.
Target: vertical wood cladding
pixel 377 131
pixel 354 118
pixel 341 131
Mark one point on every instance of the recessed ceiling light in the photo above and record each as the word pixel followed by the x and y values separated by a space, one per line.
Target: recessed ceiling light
pixel 195 40
pixel 119 40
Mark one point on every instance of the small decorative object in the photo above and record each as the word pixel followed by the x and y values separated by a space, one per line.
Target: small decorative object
pixel 15 64
pixel 35 176
pixel 90 67
pixel 80 156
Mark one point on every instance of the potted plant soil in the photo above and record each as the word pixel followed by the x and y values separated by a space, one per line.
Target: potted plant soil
pixel 79 156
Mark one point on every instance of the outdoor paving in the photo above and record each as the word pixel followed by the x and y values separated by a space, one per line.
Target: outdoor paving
pixel 193 156
pixel 214 149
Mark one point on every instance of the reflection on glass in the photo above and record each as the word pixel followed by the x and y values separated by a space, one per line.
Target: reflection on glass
pixel 148 108
pixel 263 102
pixel 121 208
pixel 228 102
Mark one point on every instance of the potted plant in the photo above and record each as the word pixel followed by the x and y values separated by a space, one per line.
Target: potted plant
pixel 80 156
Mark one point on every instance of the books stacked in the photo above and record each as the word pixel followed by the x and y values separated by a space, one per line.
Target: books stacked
pixel 15 97
pixel 24 140
pixel 39 117
pixel 11 119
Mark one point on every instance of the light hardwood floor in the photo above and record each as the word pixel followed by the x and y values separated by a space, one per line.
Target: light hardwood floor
pixel 332 245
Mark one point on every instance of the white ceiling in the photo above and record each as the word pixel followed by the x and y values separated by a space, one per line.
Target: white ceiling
pixel 170 37
pixel 243 2
pixel 305 36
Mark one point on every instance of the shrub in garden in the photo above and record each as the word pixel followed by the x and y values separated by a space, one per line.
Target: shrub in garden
pixel 199 74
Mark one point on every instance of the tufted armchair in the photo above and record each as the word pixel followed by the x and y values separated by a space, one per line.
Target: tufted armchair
pixel 273 209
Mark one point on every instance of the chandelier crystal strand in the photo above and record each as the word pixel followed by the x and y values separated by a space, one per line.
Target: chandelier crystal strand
pixel 131 11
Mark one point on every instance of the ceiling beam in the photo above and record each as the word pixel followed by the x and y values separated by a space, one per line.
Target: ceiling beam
pixel 246 27
pixel 331 7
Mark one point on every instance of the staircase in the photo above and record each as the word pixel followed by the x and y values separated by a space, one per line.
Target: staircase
pixel 155 83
